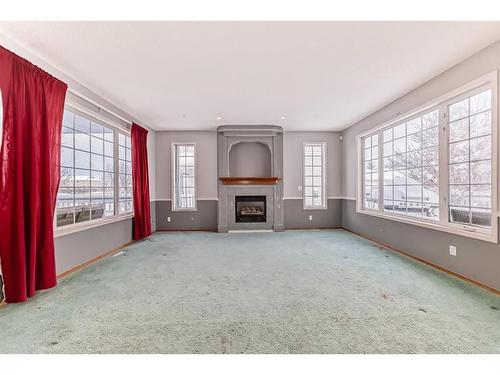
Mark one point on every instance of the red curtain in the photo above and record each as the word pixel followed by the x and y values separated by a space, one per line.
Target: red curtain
pixel 140 182
pixel 33 104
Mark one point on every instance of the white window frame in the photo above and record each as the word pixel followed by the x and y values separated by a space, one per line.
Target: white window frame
pixel 77 227
pixel 487 81
pixel 324 204
pixel 173 179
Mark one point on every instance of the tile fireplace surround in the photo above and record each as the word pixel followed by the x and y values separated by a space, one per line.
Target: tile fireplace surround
pixel 240 184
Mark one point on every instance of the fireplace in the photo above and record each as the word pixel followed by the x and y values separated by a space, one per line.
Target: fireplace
pixel 250 208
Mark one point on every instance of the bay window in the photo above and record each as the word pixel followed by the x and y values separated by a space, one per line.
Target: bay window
pixel 436 167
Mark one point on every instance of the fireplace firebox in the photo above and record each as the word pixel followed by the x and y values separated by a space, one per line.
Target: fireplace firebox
pixel 250 208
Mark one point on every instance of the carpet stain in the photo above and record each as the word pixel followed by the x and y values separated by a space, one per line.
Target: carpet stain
pixel 494 308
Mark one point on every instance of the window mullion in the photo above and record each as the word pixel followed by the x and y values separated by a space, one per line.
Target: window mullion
pixel 443 164
pixel 380 165
pixel 116 166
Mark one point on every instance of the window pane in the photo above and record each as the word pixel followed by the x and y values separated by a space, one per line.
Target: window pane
pixel 388 135
pixel 430 120
pixel 459 130
pixel 82 124
pixel 459 173
pixel 67 137
pixel 82 159
pixel 96 130
pixel 97 145
pixel 459 110
pixel 97 162
pixel 480 102
pixel 82 178
pixel 480 148
pixel 399 131
pixel 400 145
pixel 480 124
pixel 459 152
pixel 430 137
pixel 68 118
pixel 66 157
pixel 480 172
pixel 430 156
pixel 414 126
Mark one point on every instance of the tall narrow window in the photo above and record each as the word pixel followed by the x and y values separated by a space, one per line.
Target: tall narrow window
pixel 314 176
pixel 370 171
pixel 183 176
pixel 469 145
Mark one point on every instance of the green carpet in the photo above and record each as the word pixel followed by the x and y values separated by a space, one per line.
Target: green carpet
pixel 291 292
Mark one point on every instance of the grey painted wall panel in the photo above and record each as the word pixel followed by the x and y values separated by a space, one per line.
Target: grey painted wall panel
pixel 477 260
pixel 293 169
pixel 206 142
pixel 298 218
pixel 205 218
pixel 206 163
pixel 77 248
pixel 249 159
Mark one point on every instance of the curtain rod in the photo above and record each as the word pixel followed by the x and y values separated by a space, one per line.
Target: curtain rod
pixel 81 96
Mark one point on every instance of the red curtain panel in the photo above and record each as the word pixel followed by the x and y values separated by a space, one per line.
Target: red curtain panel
pixel 33 104
pixel 140 182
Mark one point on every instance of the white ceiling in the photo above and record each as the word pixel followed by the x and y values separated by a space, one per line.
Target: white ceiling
pixel 319 75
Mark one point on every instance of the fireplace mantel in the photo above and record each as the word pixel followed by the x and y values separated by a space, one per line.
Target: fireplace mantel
pixel 249 180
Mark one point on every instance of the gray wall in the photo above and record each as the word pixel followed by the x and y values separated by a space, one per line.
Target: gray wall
pixel 250 159
pixel 292 154
pixel 204 218
pixel 298 218
pixel 206 146
pixel 478 260
pixel 206 162
pixel 77 248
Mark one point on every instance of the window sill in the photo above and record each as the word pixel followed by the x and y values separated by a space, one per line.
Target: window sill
pixel 478 233
pixel 74 228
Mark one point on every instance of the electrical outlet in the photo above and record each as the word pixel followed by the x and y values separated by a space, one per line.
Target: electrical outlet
pixel 453 250
pixel 299 188
pixel 169 219
pixel 310 217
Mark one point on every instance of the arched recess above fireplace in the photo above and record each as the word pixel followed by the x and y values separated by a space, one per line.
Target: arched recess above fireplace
pixel 250 159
